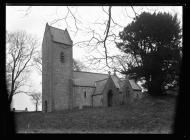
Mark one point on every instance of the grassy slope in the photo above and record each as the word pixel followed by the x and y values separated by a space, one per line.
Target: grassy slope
pixel 148 115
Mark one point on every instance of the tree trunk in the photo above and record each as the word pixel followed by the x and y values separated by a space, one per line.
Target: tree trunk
pixel 10 97
pixel 148 83
pixel 7 117
pixel 36 106
pixel 156 85
pixel 156 77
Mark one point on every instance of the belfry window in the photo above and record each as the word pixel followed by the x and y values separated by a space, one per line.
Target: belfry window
pixel 62 57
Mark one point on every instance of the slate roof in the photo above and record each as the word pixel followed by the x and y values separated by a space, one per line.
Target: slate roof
pixel 100 86
pixel 99 80
pixel 87 78
pixel 116 81
pixel 60 36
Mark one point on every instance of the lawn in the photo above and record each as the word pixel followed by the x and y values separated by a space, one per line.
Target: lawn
pixel 148 115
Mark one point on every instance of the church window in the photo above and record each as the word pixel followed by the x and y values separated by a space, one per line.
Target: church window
pixel 62 57
pixel 85 94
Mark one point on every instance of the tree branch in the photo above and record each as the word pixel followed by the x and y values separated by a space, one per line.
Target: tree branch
pixel 134 12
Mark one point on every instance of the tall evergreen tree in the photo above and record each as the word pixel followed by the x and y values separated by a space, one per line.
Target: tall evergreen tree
pixel 154 40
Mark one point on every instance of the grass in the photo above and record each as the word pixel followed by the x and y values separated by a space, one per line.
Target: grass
pixel 148 115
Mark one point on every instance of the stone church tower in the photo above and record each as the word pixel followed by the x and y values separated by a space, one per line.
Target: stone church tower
pixel 63 88
pixel 57 72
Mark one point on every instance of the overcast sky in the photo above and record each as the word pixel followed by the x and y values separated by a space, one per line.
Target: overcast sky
pixel 38 16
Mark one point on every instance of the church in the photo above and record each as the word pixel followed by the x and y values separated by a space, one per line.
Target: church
pixel 63 88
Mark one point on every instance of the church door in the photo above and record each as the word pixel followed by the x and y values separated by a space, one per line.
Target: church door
pixel 110 95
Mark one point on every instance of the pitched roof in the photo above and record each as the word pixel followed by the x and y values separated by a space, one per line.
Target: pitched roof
pixel 98 80
pixel 81 78
pixel 134 85
pixel 116 81
pixel 60 36
pixel 100 86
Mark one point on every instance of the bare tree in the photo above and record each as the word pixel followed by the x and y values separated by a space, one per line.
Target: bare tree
pixel 36 99
pixel 20 48
pixel 99 41
pixel 38 61
pixel 78 65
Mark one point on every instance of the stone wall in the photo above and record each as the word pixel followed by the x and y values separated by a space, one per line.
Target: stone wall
pixel 62 74
pixel 130 95
pixel 56 76
pixel 98 100
pixel 115 98
pixel 79 96
pixel 46 73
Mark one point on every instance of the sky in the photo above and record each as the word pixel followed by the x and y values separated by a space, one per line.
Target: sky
pixel 34 23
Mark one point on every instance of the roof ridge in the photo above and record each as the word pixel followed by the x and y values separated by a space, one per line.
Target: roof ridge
pixel 56 28
pixel 101 80
pixel 90 72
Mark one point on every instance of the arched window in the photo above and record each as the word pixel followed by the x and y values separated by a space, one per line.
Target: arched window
pixel 62 57
pixel 85 94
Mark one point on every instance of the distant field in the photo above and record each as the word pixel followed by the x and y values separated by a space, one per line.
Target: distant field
pixel 148 115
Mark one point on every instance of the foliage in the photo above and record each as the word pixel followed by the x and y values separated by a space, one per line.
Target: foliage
pixel 154 40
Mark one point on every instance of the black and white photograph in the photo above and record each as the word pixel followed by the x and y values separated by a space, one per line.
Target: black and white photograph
pixel 101 69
